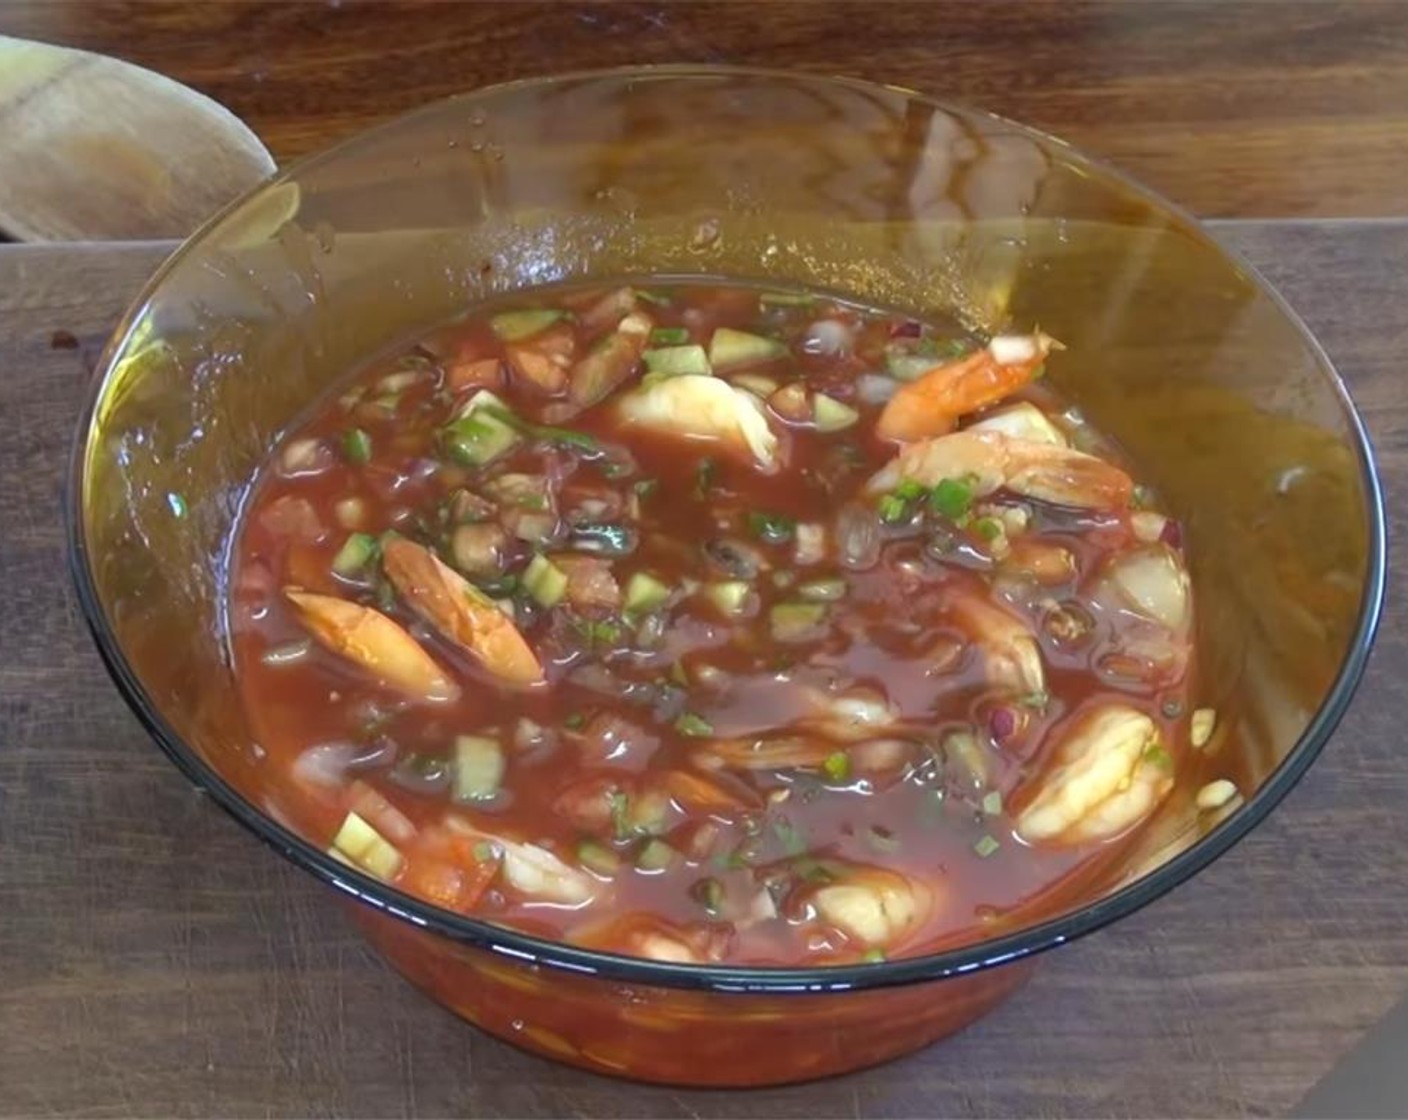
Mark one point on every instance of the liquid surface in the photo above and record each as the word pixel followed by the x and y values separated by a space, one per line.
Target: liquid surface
pixel 705 623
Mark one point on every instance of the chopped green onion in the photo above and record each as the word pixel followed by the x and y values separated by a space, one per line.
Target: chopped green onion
pixel 989 528
pixel 951 498
pixel 645 593
pixel 655 855
pixel 986 845
pixel 545 581
pixel 177 504
pixel 598 858
pixel 775 528
pixel 693 725
pixel 704 477
pixel 484 851
pixel 479 767
pixel 837 766
pixel 669 336
pixel 992 803
pixel 1037 701
pixel 357 446
pixel 893 509
pixel 575 721
pixel 909 490
pixel 787 299
pixel 709 893
pixel 357 551
pixel 1156 755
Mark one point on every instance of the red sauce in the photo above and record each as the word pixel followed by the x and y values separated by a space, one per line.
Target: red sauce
pixel 787 604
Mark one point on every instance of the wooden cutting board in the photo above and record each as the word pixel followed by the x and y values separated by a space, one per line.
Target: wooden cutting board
pixel 156 960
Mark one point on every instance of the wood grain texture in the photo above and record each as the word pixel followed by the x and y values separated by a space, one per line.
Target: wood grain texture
pixel 155 960
pixel 1248 108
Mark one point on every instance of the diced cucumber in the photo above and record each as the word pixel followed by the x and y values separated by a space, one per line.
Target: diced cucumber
pixel 514 326
pixel 357 446
pixel 755 383
pixel 730 348
pixel 796 622
pixel 831 415
pixel 906 365
pixel 357 551
pixel 478 439
pixel 676 361
pixel 479 767
pixel 366 848
pixel 731 597
pixel 545 581
pixel 655 855
pixel 822 590
pixel 598 858
pixel 644 593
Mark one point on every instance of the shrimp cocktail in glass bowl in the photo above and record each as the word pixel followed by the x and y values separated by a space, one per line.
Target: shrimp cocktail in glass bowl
pixel 725 563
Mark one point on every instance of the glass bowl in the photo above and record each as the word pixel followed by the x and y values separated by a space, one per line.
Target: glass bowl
pixel 1176 347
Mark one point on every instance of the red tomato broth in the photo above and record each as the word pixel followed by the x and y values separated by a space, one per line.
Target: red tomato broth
pixel 924 819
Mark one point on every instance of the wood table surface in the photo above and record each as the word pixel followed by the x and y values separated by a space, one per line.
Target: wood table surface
pixel 156 960
pixel 1236 109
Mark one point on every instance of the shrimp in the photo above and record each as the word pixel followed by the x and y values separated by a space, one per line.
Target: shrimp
pixel 645 935
pixel 990 461
pixel 873 905
pixel 931 405
pixel 1011 653
pixel 460 611
pixel 610 361
pixel 373 641
pixel 1111 771
pixel 850 716
pixel 705 408
pixel 531 869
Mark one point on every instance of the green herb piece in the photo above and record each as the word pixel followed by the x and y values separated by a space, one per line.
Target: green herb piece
pixel 515 326
pixel 951 498
pixel 709 893
pixel 645 593
pixel 909 490
pixel 176 504
pixel 598 858
pixel 790 837
pixel 893 509
pixel 986 845
pixel 484 851
pixel 1156 755
pixel 620 814
pixel 1037 701
pixel 357 446
pixel 837 766
pixel 775 528
pixel 545 581
pixel 479 767
pixel 693 725
pixel 989 528
pixel 574 721
pixel 357 551
pixel 704 477
pixel 992 803
pixel 669 336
